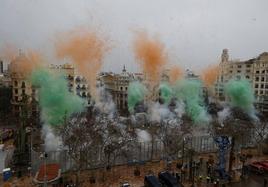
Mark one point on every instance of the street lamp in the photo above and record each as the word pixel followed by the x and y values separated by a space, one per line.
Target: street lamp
pixel 44 156
pixel 183 142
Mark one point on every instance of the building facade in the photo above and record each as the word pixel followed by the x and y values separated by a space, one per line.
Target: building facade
pixel 117 86
pixel 254 70
pixel 24 95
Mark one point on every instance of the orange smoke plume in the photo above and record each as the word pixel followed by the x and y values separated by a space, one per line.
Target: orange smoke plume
pixel 209 75
pixel 175 74
pixel 9 52
pixel 151 55
pixel 86 49
pixel 21 62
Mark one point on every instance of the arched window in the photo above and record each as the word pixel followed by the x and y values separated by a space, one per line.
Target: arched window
pixel 15 83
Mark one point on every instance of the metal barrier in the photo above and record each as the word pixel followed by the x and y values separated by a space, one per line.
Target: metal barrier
pixel 140 153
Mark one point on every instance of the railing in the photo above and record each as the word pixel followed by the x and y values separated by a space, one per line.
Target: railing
pixel 140 153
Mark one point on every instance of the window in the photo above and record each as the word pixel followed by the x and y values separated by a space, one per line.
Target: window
pixel 16 91
pixel 257 72
pixel 121 88
pixel 231 71
pixel 247 77
pixel 262 86
pixel 239 66
pixel 23 91
pixel 263 71
pixel 256 92
pixel 262 79
pixel 257 79
pixel 238 71
pixel 261 92
pixel 256 86
pixel 16 98
pixel 16 83
pixel 23 84
pixel 248 70
pixel 248 65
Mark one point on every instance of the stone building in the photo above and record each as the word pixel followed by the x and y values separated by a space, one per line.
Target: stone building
pixel 117 86
pixel 23 94
pixel 77 84
pixel 255 70
pixel 67 70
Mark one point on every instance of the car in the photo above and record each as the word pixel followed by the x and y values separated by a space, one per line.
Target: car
pixel 168 180
pixel 265 164
pixel 151 181
pixel 259 167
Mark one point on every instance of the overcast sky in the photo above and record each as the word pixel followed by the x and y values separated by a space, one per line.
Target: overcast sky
pixel 193 31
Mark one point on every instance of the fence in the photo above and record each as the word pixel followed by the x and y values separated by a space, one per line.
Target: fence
pixel 140 152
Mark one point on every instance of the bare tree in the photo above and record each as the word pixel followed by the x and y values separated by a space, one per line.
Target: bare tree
pixel 81 137
pixel 116 139
pixel 238 127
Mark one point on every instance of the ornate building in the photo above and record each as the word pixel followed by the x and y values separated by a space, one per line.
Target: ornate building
pixel 24 96
pixel 117 86
pixel 255 70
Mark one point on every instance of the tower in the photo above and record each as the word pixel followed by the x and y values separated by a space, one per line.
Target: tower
pixel 224 56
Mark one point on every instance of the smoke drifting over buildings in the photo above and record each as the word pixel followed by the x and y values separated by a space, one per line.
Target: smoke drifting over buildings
pixel 160 93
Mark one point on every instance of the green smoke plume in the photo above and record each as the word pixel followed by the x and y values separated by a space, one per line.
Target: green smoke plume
pixel 55 100
pixel 190 92
pixel 240 94
pixel 136 94
pixel 165 92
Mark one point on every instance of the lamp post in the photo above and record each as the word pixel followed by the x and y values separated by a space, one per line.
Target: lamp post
pixel 183 142
pixel 44 156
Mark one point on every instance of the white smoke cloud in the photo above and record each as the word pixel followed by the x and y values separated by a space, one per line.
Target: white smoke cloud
pixel 105 102
pixel 159 112
pixel 180 108
pixel 143 135
pixel 52 141
pixel 223 114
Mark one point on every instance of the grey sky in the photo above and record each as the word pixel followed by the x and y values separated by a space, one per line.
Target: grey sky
pixel 193 31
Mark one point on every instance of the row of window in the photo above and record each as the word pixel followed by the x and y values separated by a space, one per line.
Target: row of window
pixel 23 84
pixel 240 66
pixel 261 86
pixel 239 71
pixel 261 65
pixel 263 71
pixel 261 92
pixel 260 79
pixel 16 91
pixel 121 88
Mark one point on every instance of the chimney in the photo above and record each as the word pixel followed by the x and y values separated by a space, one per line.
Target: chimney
pixel 1 67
